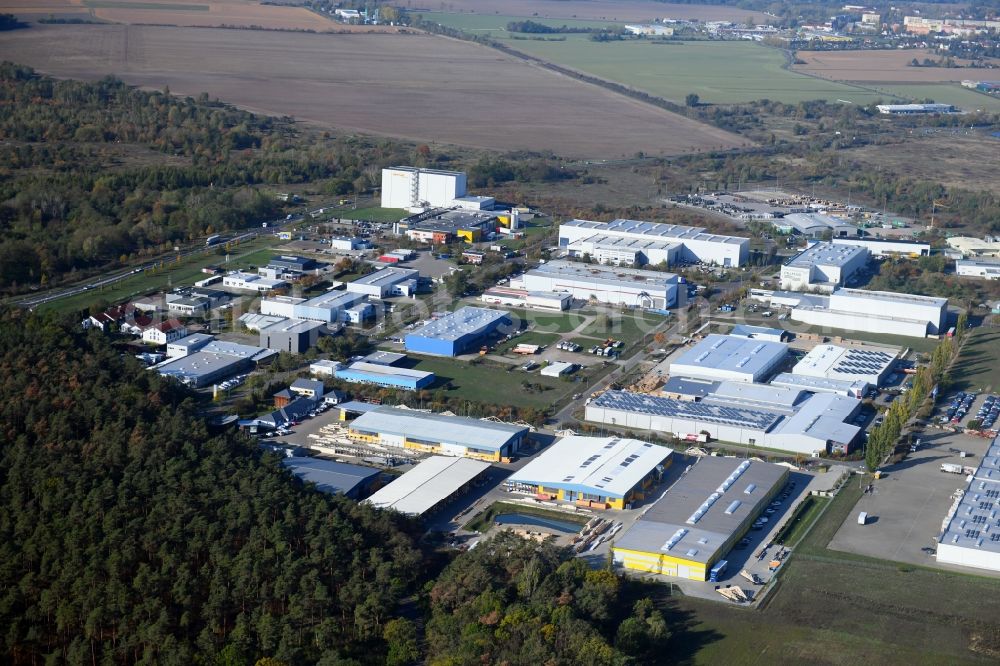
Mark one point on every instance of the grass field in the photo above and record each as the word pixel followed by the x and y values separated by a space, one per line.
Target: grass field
pixel 542 322
pixel 416 86
pixel 978 366
pixel 375 214
pixel 718 72
pixel 835 608
pixel 489 384
pixel 186 271
pixel 628 327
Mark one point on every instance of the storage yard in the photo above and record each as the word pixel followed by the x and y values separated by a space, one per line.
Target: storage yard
pixel 315 78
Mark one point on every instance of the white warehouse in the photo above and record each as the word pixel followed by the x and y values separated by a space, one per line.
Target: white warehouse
pixel 413 188
pixel 629 287
pixel 823 266
pixel 730 357
pixel 863 311
pixel 386 282
pixel 668 243
pixel 970 536
pixel 877 312
pixel 980 268
pixel 852 364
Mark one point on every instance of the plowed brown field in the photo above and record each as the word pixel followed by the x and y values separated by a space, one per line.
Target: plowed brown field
pixel 417 86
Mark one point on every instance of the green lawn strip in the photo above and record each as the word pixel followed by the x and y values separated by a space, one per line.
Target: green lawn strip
pixel 798 525
pixel 978 365
pixel 629 327
pixel 375 214
pixel 544 322
pixel 484 521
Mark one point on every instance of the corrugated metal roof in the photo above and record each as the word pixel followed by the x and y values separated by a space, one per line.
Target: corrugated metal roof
pixel 458 430
pixel 432 481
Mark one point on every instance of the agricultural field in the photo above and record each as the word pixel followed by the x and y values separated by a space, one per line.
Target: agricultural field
pixel 204 13
pixel 418 87
pixel 602 10
pixel 890 66
pixel 718 72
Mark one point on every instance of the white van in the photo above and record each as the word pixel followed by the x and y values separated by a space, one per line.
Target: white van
pixel 862 518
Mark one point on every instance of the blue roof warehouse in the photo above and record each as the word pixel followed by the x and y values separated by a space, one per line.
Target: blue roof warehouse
pixel 456 333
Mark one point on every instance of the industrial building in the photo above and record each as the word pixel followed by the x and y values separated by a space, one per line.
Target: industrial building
pixel 815 225
pixel 385 375
pixel 291 264
pixel 458 332
pixel 678 243
pixel 251 282
pixel 324 367
pixel 629 287
pixel 863 310
pixel 979 268
pixel 426 432
pixel 700 518
pixel 348 243
pixel 760 333
pixel 823 267
pixel 593 472
pixel 787 419
pixel 730 357
pixel 914 109
pixel 332 477
pixel 430 485
pixel 213 362
pixel 295 336
pixel 886 247
pixel 557 369
pixel 972 247
pixel 413 188
pixel 851 364
pixel 188 344
pixel 545 300
pixel 852 389
pixel 326 308
pixel 970 534
pixel 386 282
pixel 451 225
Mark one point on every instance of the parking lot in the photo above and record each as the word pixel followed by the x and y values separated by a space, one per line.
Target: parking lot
pixel 906 508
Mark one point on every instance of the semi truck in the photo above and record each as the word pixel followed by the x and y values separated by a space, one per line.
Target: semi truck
pixel 952 468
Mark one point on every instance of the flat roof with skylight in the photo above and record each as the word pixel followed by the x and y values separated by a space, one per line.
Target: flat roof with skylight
pixel 730 357
pixel 608 466
pixel 699 518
